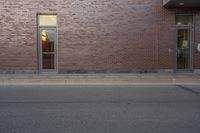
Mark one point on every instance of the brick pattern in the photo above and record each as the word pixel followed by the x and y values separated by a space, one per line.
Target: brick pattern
pixel 117 35
pixel 92 34
pixel 197 40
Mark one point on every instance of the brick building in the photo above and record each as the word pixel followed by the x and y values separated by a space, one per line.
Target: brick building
pixel 63 36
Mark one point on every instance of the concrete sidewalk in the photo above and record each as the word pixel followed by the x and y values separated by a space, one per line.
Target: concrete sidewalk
pixel 106 79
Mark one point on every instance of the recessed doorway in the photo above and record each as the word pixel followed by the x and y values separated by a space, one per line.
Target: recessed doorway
pixel 183 46
pixel 47 43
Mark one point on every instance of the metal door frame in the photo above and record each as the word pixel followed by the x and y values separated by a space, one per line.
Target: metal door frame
pixel 192 39
pixel 191 43
pixel 39 48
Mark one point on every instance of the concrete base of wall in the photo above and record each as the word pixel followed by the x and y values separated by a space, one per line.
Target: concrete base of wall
pixel 18 71
pixel 116 71
pixel 66 71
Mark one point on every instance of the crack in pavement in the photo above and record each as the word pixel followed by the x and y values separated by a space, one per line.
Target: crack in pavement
pixel 188 89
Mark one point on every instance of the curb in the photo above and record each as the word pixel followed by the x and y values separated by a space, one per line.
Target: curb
pixel 101 79
pixel 5 82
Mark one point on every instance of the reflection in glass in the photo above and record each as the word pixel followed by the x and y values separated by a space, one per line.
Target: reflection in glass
pixel 183 48
pixel 48 43
pixel 47 20
pixel 48 40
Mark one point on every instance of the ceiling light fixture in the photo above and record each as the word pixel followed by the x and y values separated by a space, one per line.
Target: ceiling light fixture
pixel 181 4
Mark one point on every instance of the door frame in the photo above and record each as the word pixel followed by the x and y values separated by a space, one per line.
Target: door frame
pixel 40 61
pixel 191 42
pixel 39 52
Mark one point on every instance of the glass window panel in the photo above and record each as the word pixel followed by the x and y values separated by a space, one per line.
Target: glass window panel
pixel 48 61
pixel 183 48
pixel 47 20
pixel 184 19
pixel 48 40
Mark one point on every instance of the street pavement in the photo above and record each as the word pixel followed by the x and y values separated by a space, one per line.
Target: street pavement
pixel 100 109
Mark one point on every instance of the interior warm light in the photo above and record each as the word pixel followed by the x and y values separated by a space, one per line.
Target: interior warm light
pixel 47 20
pixel 44 35
pixel 44 38
pixel 179 23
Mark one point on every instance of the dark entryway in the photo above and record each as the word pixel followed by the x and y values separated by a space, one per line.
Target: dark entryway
pixel 183 49
pixel 184 39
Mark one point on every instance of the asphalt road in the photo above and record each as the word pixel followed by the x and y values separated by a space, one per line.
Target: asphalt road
pixel 100 109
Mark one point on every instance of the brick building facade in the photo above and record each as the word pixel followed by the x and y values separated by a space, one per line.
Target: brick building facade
pixel 98 36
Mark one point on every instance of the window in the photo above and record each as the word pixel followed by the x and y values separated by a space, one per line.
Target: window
pixel 47 20
pixel 184 20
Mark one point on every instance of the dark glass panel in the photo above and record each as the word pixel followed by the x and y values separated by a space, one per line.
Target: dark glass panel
pixel 183 48
pixel 48 61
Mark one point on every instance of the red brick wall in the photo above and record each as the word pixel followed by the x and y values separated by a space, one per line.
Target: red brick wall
pixel 117 35
pixel 18 35
pixel 197 40
pixel 92 34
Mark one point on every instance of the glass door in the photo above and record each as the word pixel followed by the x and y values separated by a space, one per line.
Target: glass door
pixel 184 40
pixel 47 48
pixel 47 43
pixel 183 57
